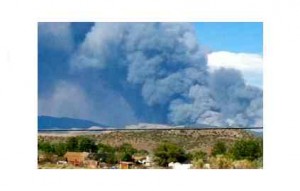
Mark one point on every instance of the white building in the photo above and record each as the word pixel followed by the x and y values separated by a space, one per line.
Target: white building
pixel 178 165
pixel 148 161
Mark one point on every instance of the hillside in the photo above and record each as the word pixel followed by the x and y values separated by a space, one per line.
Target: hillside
pixel 148 139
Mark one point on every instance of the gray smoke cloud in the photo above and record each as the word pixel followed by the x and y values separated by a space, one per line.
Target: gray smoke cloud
pixel 160 70
pixel 71 100
pixel 56 35
pixel 67 100
pixel 225 101
pixel 238 102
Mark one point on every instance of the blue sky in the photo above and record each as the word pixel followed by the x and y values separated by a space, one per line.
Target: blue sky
pixel 126 73
pixel 232 36
pixel 235 44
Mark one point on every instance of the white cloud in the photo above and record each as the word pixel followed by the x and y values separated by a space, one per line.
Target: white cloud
pixel 251 65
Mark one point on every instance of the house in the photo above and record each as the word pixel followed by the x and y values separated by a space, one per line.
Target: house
pixel 138 159
pixel 125 165
pixel 76 158
pixel 148 161
pixel 145 160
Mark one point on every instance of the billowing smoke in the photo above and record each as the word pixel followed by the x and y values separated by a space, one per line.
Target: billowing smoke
pixel 150 64
pixel 160 70
pixel 225 101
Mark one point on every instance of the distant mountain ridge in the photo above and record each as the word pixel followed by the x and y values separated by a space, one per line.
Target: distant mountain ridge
pixel 66 123
pixel 49 122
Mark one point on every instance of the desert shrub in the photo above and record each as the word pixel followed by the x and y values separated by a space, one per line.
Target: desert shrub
pixel 250 149
pixel 198 163
pixel 196 155
pixel 221 162
pixel 44 157
pixel 244 164
pixel 219 148
pixel 258 162
pixel 168 152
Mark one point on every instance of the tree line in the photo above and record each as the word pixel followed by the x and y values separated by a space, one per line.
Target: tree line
pixel 222 154
pixel 100 152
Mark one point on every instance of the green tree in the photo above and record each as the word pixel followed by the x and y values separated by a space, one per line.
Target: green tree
pixel 219 148
pixel 126 157
pixel 168 152
pixel 86 144
pixel 125 152
pixel 127 148
pixel 72 144
pixel 60 148
pixel 45 146
pixel 106 153
pixel 250 149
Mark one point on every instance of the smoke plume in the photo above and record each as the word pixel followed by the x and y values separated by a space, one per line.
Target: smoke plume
pixel 160 71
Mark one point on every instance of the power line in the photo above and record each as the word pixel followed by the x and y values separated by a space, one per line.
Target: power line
pixel 153 129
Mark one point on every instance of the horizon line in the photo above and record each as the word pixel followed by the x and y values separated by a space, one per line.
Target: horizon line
pixel 149 129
